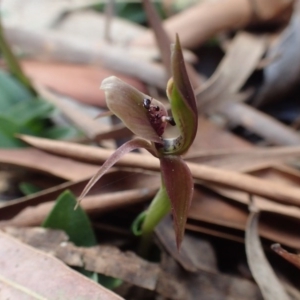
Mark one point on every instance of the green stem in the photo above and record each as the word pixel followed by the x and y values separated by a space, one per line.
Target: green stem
pixel 158 209
pixel 12 61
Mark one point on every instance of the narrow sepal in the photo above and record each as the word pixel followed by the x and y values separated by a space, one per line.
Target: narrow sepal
pixel 179 185
pixel 183 105
pixel 139 112
pixel 121 151
pixel 181 78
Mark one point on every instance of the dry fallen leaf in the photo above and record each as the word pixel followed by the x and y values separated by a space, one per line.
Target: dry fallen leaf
pixel 93 205
pixel 261 270
pixel 57 166
pixel 275 191
pixel 207 285
pixel 106 260
pixel 220 94
pixel 191 256
pixel 27 273
pixel 79 82
pixel 219 216
pixel 131 184
pixel 168 279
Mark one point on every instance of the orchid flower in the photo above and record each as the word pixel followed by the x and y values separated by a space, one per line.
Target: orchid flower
pixel 147 118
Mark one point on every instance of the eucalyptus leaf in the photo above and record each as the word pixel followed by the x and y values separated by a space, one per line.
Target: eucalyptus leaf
pixel 265 277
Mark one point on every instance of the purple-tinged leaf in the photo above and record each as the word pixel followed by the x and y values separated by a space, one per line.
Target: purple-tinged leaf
pixel 290 257
pixel 266 279
pixel 121 151
pixel 179 184
pixel 183 105
pixel 139 112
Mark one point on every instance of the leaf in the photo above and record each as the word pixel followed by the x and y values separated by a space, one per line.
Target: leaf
pixel 108 260
pixel 270 286
pixel 290 257
pixel 183 104
pixel 180 187
pixel 26 111
pixel 61 132
pixel 26 273
pixel 127 103
pixel 109 282
pixel 74 222
pixel 11 91
pixel 78 227
pixel 8 130
pixel 115 156
pixel 57 166
pixel 28 188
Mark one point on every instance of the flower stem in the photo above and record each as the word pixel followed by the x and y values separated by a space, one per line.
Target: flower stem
pixel 158 209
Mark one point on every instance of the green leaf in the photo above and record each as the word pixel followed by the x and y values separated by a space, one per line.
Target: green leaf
pixel 8 130
pixel 78 227
pixel 109 282
pixel 179 185
pixel 74 222
pixel 131 11
pixel 28 188
pixel 35 127
pixel 61 132
pixel 27 111
pixel 11 91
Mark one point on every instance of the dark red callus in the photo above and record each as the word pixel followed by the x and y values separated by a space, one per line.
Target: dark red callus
pixel 155 114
